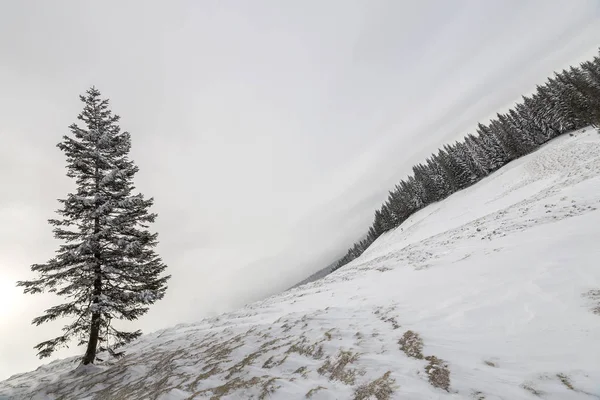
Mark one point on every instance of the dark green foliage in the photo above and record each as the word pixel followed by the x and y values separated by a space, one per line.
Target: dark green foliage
pixel 568 101
pixel 107 268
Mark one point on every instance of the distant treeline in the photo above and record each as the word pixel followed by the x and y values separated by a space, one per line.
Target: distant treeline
pixel 568 101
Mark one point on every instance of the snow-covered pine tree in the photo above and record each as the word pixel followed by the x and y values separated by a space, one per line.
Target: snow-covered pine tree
pixel 591 73
pixel 466 162
pixel 415 190
pixel 527 121
pixel 526 139
pixel 107 268
pixel 506 137
pixel 395 205
pixel 441 176
pixel 427 184
pixel 378 224
pixel 495 153
pixel 480 156
pixel 543 113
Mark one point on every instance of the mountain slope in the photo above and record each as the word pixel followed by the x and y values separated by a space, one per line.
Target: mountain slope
pixel 317 275
pixel 493 293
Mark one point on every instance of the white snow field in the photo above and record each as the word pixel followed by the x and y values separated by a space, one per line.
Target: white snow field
pixel 493 293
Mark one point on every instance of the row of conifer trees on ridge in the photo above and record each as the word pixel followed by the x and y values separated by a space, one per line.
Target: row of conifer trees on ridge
pixel 568 101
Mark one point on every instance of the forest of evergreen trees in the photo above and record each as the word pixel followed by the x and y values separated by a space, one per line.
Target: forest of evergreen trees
pixel 568 101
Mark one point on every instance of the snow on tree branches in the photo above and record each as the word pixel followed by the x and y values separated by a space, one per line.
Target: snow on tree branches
pixel 106 268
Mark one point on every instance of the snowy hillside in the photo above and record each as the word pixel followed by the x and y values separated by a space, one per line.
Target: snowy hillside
pixel 317 275
pixel 493 293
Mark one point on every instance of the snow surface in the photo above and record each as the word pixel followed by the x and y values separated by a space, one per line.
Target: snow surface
pixel 501 281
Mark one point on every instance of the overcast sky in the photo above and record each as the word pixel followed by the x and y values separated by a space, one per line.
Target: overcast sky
pixel 267 131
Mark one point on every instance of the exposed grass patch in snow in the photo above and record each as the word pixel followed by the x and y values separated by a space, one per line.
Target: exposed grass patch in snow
pixel 270 363
pixel 314 350
pixel 314 391
pixel 564 379
pixel 437 370
pixel 268 388
pixel 336 368
pixel 412 345
pixel 380 388
pixel 246 361
pixel 392 321
pixel 302 371
pixel 438 373
pixel 220 351
pixel 385 317
pixel 531 389
pixel 214 370
pixel 231 386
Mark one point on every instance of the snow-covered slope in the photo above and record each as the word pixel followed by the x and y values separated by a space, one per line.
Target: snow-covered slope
pixel 493 293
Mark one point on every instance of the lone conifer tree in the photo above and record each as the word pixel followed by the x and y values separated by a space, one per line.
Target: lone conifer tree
pixel 107 268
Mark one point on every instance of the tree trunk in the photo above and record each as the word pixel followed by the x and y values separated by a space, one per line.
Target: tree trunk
pixel 90 353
